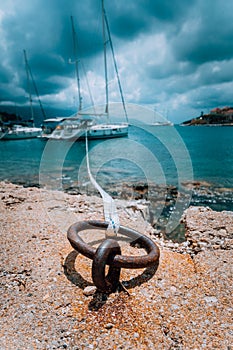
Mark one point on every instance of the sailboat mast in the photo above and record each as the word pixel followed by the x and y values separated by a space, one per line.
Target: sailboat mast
pixel 29 74
pixel 105 22
pixel 76 63
pixel 29 86
pixel 105 58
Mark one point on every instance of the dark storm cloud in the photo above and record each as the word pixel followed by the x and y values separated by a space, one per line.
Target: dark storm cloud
pixel 130 18
pixel 174 52
pixel 127 20
pixel 207 35
pixel 43 28
pixel 207 97
pixel 216 72
pixel 166 10
pixel 5 74
pixel 182 77
pixel 52 65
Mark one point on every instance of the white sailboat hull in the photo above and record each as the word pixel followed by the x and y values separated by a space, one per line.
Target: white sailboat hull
pixel 20 133
pixel 100 131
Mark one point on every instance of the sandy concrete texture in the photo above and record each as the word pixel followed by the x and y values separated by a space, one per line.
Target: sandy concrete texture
pixel 183 303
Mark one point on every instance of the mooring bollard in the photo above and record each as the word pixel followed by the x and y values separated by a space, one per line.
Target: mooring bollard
pixel 109 253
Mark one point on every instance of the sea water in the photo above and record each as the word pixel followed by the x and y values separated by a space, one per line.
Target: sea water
pixel 162 154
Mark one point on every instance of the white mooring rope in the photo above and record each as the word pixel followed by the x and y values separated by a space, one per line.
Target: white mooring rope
pixel 110 211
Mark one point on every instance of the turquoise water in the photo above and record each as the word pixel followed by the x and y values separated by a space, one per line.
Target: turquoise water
pixel 211 151
pixel 169 155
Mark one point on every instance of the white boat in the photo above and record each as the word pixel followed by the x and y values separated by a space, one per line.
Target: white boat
pixel 80 124
pixel 160 120
pixel 19 132
pixel 102 131
pixel 165 123
pixel 78 127
pixel 70 128
pixel 49 125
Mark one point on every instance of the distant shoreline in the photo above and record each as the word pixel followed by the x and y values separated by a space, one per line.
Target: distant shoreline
pixel 193 124
pixel 216 117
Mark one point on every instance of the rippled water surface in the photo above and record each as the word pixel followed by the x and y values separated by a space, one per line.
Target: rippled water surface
pixel 160 154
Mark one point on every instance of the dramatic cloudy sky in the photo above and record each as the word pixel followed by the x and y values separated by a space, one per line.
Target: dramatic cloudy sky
pixel 174 56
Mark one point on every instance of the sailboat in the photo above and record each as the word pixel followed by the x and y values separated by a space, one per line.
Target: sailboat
pixel 76 126
pixel 161 121
pixel 19 132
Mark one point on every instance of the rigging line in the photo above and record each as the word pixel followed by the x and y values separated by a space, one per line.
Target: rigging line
pixel 115 64
pixel 29 86
pixel 88 87
pixel 105 62
pixel 77 70
pixel 75 50
pixel 35 87
pixel 37 93
pixel 110 211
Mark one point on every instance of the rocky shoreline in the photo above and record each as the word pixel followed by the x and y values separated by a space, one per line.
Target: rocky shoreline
pixel 216 117
pixel 184 303
pixel 161 200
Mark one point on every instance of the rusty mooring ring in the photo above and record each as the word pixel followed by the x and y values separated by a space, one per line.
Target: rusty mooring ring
pixel 121 261
pixel 106 250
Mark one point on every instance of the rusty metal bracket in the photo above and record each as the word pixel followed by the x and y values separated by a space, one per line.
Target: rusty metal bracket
pixel 109 253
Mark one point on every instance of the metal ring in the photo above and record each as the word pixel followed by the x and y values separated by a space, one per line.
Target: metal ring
pixel 106 252
pixel 130 262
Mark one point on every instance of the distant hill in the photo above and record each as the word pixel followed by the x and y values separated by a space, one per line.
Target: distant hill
pixel 9 115
pixel 217 116
pixel 9 118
